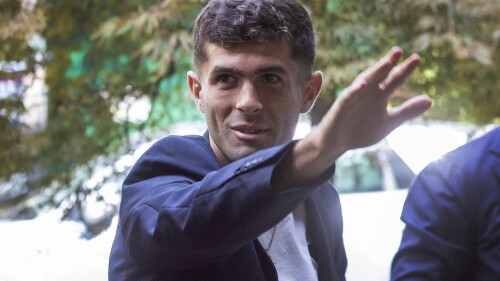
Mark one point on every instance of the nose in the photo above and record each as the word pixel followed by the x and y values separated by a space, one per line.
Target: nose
pixel 248 99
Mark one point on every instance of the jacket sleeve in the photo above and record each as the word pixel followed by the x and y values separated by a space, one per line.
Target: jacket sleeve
pixel 180 209
pixel 438 239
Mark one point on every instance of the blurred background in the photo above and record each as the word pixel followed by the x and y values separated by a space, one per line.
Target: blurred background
pixel 86 86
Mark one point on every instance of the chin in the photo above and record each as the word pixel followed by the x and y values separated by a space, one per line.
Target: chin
pixel 238 150
pixel 236 155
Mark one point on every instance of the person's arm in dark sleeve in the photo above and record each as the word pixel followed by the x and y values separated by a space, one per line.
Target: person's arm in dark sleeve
pixel 438 238
pixel 175 214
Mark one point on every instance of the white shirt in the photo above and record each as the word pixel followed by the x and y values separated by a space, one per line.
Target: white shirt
pixel 289 251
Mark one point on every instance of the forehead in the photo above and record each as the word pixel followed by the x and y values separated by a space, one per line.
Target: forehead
pixel 250 56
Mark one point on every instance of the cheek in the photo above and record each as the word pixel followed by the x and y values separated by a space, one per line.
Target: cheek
pixel 215 110
pixel 285 117
pixel 204 102
pixel 291 113
pixel 210 104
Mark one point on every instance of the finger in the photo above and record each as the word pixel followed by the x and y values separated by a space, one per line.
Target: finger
pixel 351 93
pixel 409 110
pixel 399 74
pixel 379 71
pixel 395 54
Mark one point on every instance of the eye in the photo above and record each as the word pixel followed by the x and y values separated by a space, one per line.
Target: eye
pixel 271 78
pixel 226 79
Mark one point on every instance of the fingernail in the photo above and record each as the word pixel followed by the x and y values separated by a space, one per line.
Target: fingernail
pixel 415 56
pixel 397 48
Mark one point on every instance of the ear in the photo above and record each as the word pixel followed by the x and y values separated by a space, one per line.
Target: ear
pixel 194 84
pixel 311 91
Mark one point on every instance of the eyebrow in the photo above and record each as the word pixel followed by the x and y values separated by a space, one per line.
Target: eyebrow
pixel 222 69
pixel 273 68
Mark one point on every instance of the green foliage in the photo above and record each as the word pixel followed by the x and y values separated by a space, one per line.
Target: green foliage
pixel 99 55
pixel 457 40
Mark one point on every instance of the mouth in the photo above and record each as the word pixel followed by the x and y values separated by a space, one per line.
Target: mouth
pixel 249 132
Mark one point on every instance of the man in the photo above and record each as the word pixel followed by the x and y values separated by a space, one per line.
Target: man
pixel 452 216
pixel 245 202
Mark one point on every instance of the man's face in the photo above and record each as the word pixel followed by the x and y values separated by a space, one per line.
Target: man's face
pixel 251 96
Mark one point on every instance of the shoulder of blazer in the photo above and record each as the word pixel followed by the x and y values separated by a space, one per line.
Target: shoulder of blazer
pixel 184 155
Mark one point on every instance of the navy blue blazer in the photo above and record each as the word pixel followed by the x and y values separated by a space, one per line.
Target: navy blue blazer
pixel 452 216
pixel 184 217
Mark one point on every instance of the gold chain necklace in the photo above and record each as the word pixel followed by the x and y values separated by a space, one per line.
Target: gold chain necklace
pixel 268 249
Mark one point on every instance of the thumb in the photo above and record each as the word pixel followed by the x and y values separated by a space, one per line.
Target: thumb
pixel 409 109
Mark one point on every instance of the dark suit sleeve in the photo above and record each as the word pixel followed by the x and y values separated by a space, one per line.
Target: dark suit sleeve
pixel 452 216
pixel 438 238
pixel 180 209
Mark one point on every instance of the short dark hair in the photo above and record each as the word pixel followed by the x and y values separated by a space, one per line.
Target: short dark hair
pixel 228 23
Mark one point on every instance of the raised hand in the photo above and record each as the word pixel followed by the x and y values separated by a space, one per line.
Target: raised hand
pixel 360 116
